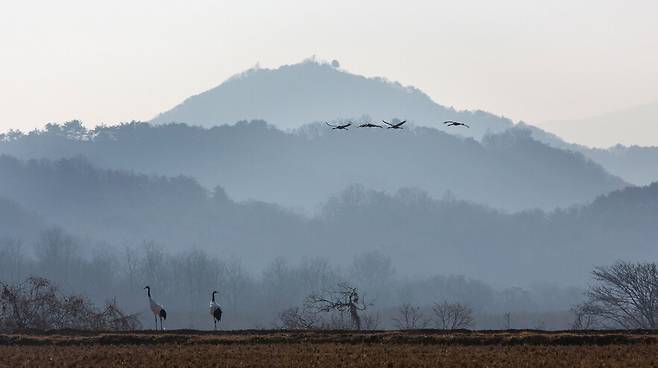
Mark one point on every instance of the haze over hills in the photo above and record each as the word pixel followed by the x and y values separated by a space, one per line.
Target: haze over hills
pixel 635 164
pixel 419 233
pixel 627 127
pixel 301 169
pixel 297 94
pixel 468 196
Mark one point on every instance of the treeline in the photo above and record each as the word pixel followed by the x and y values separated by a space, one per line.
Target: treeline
pixel 182 282
pixel 254 160
pixel 420 233
pixel 417 231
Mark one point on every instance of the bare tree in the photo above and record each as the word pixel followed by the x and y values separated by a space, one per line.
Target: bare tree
pixel 452 316
pixel 409 318
pixel 624 295
pixel 343 300
pixel 507 317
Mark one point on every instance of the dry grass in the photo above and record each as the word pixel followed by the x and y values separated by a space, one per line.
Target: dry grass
pixel 330 349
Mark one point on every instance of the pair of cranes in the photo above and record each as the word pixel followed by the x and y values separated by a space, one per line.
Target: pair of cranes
pixel 159 311
pixel 449 123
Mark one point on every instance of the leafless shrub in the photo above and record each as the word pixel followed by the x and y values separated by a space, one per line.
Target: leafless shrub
pixel 371 321
pixel 452 316
pixel 585 317
pixel 409 318
pixel 298 319
pixel 625 295
pixel 37 304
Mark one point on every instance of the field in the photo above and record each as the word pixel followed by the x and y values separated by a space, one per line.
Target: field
pixel 330 349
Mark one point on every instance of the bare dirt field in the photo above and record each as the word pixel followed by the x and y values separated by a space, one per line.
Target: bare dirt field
pixel 330 349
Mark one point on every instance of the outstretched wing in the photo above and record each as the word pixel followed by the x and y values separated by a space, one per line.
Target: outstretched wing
pixel 400 124
pixel 333 126
pixel 466 125
pixel 387 123
pixel 347 125
pixel 449 122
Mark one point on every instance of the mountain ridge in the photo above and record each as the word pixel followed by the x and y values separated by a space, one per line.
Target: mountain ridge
pixel 293 95
pixel 255 160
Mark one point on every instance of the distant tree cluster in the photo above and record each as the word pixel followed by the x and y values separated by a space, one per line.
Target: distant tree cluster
pixel 332 309
pixel 278 295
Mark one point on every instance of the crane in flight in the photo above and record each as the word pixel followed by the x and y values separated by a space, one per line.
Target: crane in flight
pixel 394 126
pixel 340 127
pixel 370 125
pixel 455 123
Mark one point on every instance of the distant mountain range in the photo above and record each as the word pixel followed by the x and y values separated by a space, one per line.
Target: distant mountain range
pixel 294 95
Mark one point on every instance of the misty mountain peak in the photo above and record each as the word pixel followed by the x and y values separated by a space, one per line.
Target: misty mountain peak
pixel 311 91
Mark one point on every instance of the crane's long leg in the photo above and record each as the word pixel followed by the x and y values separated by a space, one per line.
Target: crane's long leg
pixel 215 324
pixel 156 322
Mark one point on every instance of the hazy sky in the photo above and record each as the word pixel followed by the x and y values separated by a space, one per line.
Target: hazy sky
pixel 123 60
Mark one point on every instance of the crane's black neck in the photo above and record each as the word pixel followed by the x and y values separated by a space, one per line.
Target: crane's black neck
pixel 213 295
pixel 148 291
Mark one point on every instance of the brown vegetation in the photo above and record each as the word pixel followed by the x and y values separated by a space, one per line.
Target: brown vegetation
pixel 331 349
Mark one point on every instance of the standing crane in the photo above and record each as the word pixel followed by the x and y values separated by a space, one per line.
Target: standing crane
pixel 157 309
pixel 215 309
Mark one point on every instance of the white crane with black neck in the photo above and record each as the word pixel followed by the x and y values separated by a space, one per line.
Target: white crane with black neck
pixel 157 309
pixel 215 309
